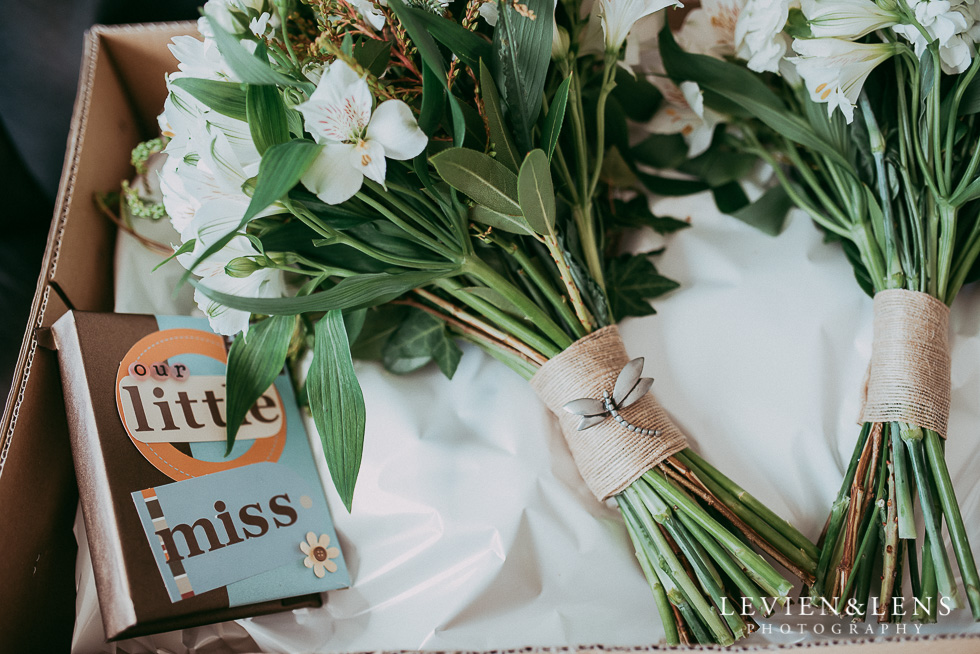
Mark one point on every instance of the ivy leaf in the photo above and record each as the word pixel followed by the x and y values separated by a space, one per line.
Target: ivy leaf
pixel 379 324
pixel 768 213
pixel 636 214
pixel 254 362
pixel 632 280
pixel 421 338
pixel 337 403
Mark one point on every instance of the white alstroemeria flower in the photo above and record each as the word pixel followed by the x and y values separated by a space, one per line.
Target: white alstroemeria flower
pixel 954 25
pixel 186 121
pixel 489 12
pixel 834 70
pixel 200 59
pixel 355 141
pixel 222 12
pixel 684 113
pixel 261 25
pixel 263 283
pixel 846 19
pixel 710 28
pixel 759 37
pixel 370 13
pixel 619 16
pixel 211 190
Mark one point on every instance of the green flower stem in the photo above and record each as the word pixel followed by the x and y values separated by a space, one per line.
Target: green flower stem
pixel 657 510
pixel 723 559
pixel 503 320
pixel 929 597
pixel 487 275
pixel 903 491
pixel 422 239
pixel 946 215
pixel 541 281
pixel 706 573
pixel 943 571
pixel 581 313
pixel 891 558
pixel 758 569
pixel 954 521
pixel 659 594
pixel 504 355
pixel 745 499
pixel 608 84
pixel 913 566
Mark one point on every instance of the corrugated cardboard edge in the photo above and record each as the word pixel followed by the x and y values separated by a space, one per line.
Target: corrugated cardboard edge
pixel 48 296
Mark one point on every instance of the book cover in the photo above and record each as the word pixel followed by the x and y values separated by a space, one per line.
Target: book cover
pixel 180 533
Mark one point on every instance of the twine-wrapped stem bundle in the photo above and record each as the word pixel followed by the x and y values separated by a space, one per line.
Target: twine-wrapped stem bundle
pixel 686 519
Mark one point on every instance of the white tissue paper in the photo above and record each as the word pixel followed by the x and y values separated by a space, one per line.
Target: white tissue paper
pixel 471 527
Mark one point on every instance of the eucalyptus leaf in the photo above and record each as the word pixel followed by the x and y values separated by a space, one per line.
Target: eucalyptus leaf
pixel 373 55
pixel 379 324
pixel 337 404
pixel 503 222
pixel 254 362
pixel 484 179
pixel 226 98
pixel 350 293
pixel 499 133
pixel 536 192
pixel 266 113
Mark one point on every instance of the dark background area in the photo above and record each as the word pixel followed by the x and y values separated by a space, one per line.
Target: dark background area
pixel 38 79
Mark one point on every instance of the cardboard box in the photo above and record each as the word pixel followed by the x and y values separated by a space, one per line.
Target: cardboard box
pixel 120 93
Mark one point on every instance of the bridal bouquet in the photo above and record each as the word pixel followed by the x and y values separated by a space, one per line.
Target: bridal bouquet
pixel 866 113
pixel 377 180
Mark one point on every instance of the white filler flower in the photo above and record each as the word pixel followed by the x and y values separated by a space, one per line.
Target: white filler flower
pixel 356 142
pixel 834 70
pixel 846 19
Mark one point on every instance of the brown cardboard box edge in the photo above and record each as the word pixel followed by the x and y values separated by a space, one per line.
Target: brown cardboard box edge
pixel 118 97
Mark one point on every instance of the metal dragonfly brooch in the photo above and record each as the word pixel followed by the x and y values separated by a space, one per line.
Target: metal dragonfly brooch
pixel 629 388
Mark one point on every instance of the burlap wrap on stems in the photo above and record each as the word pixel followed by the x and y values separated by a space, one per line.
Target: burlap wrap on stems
pixel 609 456
pixel 908 378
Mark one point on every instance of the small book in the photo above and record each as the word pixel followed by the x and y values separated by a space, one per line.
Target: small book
pixel 182 534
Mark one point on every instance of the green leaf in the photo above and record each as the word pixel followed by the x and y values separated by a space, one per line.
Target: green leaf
pixel 522 53
pixel 503 222
pixel 266 114
pixel 668 186
pixel 337 404
pixel 373 55
pixel 468 46
pixel 664 151
pixel 431 56
pixel 350 293
pixel 420 339
pixel 730 197
pixel 379 324
pixel 247 68
pixel 970 102
pixel 720 166
pixel 227 98
pixel 499 133
pixel 484 179
pixel 632 280
pixel 970 192
pixel 433 101
pixel 768 213
pixel 636 214
pixel 747 91
pixel 536 192
pixel 639 98
pixel 556 116
pixel 254 362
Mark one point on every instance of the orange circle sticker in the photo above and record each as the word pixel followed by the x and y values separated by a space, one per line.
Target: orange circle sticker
pixel 163 403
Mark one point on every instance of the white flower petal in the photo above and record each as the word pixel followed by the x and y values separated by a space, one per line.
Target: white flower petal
pixel 369 158
pixel 394 126
pixel 331 176
pixel 340 108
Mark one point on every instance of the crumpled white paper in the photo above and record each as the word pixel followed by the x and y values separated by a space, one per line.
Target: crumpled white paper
pixel 471 528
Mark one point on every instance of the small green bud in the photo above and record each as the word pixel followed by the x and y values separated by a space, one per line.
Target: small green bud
pixel 241 267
